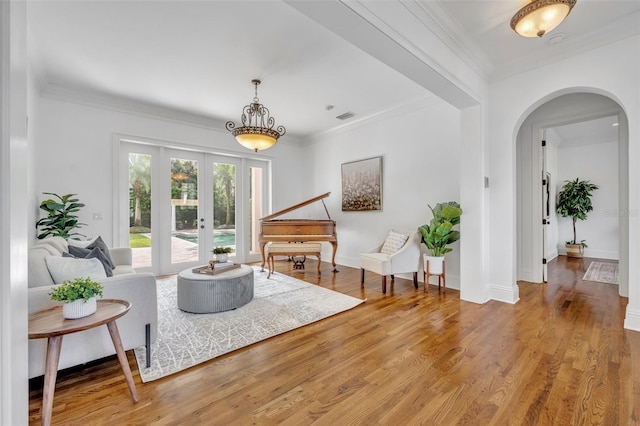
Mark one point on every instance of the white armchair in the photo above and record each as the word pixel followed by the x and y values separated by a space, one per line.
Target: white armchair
pixel 399 253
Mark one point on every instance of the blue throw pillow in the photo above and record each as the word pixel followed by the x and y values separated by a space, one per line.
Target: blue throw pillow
pixel 83 253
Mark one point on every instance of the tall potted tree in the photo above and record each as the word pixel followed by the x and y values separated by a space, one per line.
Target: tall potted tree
pixel 439 233
pixel 574 201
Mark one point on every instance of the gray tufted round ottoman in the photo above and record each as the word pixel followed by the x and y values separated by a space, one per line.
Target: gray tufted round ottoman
pixel 201 293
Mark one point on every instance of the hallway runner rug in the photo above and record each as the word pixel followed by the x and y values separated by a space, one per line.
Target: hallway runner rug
pixel 602 272
pixel 280 304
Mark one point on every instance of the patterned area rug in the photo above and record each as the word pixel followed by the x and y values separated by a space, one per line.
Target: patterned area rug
pixel 602 272
pixel 280 304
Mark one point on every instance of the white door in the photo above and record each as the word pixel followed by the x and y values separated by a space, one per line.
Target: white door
pixel 180 204
pixel 546 208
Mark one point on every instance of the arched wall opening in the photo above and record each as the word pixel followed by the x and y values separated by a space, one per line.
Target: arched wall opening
pixel 572 105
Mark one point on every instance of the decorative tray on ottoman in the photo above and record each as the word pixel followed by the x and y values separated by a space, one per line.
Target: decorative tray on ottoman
pixel 214 268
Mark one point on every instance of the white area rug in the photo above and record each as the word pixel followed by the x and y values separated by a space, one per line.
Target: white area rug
pixel 280 304
pixel 602 272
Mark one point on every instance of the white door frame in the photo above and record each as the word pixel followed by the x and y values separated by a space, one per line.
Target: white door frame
pixel 161 151
pixel 535 238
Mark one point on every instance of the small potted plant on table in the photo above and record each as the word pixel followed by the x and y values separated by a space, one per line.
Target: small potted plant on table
pixel 574 201
pixel 79 297
pixel 222 253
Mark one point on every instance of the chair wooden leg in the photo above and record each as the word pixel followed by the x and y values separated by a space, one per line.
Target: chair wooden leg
pixel 361 276
pixel 392 277
pixel 384 284
pixel 415 279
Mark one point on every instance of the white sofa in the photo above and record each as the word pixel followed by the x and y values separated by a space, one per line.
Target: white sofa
pixel 85 346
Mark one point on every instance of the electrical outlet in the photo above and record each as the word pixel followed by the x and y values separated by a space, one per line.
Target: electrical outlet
pixel 97 216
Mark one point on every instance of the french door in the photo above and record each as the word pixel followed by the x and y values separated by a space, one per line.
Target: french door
pixel 181 204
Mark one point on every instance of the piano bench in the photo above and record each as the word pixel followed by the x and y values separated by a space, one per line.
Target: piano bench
pixel 292 249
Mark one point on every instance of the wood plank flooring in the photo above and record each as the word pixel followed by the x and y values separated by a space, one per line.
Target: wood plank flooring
pixel 558 357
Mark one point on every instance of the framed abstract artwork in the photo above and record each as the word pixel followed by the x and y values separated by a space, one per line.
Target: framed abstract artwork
pixel 362 185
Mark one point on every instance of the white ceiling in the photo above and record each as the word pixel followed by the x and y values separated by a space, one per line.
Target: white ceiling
pixel 199 57
pixel 600 130
pixel 590 24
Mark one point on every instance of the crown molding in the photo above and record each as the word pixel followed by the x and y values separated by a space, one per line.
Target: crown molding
pixel 571 46
pixel 394 111
pixel 447 29
pixel 143 109
pixel 129 106
pixel 437 23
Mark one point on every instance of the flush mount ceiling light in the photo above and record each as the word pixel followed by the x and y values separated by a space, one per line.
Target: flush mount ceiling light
pixel 540 16
pixel 257 130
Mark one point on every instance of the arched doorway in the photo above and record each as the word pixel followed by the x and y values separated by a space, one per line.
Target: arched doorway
pixel 559 109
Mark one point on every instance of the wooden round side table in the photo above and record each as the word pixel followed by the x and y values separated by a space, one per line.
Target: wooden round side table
pixel 50 324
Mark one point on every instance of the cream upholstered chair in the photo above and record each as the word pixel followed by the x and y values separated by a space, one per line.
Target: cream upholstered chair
pixel 398 253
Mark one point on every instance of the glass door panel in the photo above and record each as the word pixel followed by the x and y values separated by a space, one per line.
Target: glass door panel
pixel 257 202
pixel 224 205
pixel 174 206
pixel 256 211
pixel 140 209
pixel 184 219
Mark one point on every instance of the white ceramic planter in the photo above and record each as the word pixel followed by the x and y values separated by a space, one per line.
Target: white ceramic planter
pixel 222 257
pixel 435 264
pixel 79 308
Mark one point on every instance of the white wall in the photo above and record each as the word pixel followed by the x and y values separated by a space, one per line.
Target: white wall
pixel 73 154
pixel 420 146
pixel 612 71
pixel 599 164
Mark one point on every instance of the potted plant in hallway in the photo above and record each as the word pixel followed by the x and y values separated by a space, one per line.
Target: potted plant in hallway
pixel 78 295
pixel 222 253
pixel 439 233
pixel 574 201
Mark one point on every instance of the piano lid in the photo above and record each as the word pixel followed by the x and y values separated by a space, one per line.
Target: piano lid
pixel 299 205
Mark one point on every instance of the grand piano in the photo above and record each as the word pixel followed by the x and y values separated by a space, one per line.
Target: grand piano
pixel 299 230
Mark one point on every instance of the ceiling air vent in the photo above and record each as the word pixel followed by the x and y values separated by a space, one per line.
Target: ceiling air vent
pixel 345 116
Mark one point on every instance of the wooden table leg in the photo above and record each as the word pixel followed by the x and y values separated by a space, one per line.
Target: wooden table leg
pixel 122 357
pixel 54 345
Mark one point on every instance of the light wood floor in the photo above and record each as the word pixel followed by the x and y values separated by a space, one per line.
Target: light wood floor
pixel 558 357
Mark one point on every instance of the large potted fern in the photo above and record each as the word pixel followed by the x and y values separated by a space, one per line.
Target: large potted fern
pixel 574 201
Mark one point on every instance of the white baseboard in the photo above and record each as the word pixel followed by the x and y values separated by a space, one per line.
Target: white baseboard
pixel 525 275
pixel 600 254
pixel 632 320
pixel 506 294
